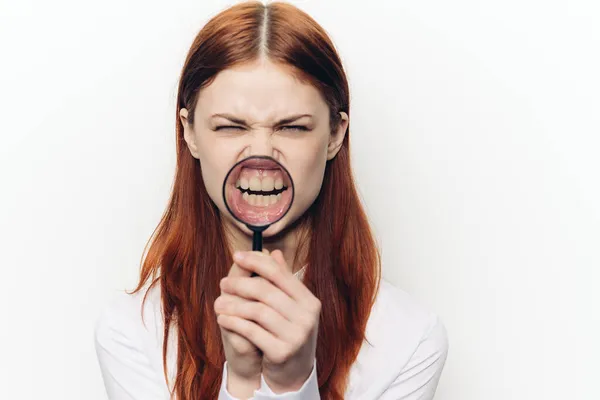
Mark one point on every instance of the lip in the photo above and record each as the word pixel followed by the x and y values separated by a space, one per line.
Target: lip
pixel 260 163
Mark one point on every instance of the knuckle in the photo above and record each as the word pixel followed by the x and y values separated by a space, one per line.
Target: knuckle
pixel 282 355
pixel 287 355
pixel 225 296
pixel 300 339
pixel 228 285
pixel 306 323
pixel 240 345
pixel 316 306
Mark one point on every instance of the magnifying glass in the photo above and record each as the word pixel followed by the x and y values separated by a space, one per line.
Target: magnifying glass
pixel 258 191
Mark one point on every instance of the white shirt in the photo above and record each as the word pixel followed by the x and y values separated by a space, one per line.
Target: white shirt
pixel 410 346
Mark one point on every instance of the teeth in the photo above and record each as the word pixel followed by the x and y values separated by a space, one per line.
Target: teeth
pixel 260 200
pixel 255 184
pixel 267 184
pixel 278 183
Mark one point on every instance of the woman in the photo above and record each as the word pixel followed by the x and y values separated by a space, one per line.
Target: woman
pixel 318 321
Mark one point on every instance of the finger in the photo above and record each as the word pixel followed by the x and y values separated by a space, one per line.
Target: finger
pixel 236 270
pixel 250 330
pixel 278 256
pixel 259 289
pixel 258 312
pixel 240 343
pixel 224 298
pixel 268 268
pixel 265 251
pixel 290 327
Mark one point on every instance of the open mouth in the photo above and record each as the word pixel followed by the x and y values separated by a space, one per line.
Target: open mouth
pixel 261 191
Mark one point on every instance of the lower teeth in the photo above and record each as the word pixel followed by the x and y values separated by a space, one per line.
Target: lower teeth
pixel 260 200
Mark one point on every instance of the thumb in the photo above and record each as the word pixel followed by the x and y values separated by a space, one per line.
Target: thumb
pixel 236 270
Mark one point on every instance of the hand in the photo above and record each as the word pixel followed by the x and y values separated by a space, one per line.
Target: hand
pixel 244 359
pixel 282 320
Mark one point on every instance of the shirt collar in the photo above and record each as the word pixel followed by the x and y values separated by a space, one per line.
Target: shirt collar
pixel 300 273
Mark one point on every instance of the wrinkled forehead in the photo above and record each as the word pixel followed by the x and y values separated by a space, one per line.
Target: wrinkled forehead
pixel 259 93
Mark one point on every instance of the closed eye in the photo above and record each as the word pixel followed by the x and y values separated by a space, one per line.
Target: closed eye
pixel 288 127
pixel 296 127
pixel 218 128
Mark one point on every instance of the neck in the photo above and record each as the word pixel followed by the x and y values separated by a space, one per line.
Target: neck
pixel 289 241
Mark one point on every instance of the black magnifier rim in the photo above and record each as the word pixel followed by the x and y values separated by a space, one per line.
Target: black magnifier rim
pixel 261 227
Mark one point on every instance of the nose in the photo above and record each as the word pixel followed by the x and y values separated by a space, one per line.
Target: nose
pixel 261 144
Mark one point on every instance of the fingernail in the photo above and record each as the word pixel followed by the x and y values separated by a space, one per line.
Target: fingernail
pixel 238 256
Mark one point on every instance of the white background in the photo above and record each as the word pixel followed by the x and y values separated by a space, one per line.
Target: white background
pixel 475 137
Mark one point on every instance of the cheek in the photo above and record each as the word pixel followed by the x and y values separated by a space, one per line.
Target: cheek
pixel 313 181
pixel 215 163
pixel 308 176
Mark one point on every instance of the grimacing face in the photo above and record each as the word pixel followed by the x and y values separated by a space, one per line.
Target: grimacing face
pixel 261 94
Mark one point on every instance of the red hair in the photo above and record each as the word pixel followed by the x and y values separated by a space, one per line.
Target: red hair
pixel 189 253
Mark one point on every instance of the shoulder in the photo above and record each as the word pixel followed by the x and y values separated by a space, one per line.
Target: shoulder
pixel 401 314
pixel 400 330
pixel 126 320
pixel 405 350
pixel 126 311
pixel 128 340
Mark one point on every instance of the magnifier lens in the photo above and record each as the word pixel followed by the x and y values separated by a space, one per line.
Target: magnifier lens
pixel 258 191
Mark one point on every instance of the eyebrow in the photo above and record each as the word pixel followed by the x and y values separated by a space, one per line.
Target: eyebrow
pixel 284 121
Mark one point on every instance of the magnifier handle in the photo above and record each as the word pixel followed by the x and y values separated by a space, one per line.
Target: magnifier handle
pixel 257 241
pixel 256 244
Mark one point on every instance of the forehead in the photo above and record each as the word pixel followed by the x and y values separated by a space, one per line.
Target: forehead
pixel 260 91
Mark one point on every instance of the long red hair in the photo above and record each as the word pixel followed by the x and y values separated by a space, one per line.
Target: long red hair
pixel 189 253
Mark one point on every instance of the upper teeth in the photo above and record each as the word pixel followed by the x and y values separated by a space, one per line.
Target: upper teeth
pixel 255 183
pixel 267 184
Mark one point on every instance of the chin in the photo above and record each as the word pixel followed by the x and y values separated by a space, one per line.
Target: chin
pixel 275 229
pixel 272 230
